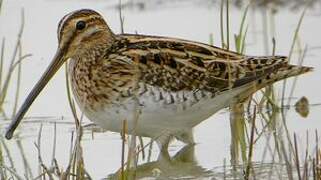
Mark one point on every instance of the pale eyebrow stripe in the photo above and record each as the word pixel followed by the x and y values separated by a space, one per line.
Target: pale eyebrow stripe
pixel 61 23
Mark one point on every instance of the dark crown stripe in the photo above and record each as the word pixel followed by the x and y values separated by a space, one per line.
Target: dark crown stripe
pixel 86 14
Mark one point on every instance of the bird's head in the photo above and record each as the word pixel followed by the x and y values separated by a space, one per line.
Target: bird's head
pixel 76 31
pixel 80 29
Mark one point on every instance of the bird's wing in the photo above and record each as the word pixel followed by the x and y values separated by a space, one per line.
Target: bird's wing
pixel 175 64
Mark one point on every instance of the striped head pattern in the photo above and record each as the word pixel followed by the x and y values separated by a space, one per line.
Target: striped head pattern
pixel 79 27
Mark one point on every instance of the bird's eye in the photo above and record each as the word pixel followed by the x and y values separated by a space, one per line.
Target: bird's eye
pixel 80 25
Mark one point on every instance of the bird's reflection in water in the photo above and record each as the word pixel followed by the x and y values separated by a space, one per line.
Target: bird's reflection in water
pixel 182 165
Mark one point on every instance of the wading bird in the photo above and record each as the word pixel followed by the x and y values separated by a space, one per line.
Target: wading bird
pixel 172 84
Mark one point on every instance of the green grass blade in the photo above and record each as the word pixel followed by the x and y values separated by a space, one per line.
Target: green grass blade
pixel 222 23
pixel 1 61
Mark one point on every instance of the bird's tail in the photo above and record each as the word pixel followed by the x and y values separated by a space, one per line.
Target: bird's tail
pixel 263 71
pixel 280 70
pixel 283 73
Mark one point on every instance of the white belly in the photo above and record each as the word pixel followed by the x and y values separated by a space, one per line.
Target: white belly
pixel 160 115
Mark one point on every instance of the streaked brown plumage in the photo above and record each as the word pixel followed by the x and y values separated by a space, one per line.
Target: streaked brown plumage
pixel 174 83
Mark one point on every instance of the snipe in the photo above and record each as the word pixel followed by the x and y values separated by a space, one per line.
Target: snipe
pixel 174 83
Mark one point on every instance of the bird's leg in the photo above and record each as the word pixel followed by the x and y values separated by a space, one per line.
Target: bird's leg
pixel 186 154
pixel 163 142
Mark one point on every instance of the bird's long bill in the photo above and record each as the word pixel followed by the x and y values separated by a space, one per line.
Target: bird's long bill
pixel 56 63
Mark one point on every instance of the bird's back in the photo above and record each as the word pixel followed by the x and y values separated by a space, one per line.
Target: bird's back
pixel 175 64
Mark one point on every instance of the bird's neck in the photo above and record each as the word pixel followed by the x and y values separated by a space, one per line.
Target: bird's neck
pixel 89 80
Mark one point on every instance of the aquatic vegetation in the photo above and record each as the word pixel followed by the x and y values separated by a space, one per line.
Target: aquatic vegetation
pixel 15 67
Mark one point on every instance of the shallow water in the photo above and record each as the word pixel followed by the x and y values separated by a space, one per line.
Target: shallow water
pixel 102 151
